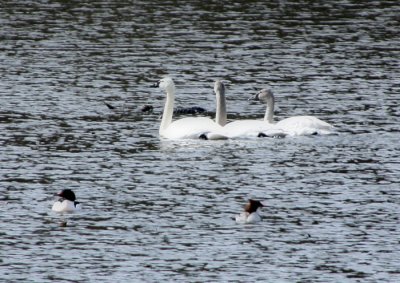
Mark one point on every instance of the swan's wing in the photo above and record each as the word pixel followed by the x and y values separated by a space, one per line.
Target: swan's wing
pixel 194 128
pixel 252 129
pixel 305 125
pixel 273 133
pixel 242 128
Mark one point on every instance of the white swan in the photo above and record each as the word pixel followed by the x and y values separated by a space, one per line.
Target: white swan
pixel 294 126
pixel 241 128
pixel 186 128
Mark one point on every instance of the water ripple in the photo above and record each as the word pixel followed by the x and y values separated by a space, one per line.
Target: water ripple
pixel 158 210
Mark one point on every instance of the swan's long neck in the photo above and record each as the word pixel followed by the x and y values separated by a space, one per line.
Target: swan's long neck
pixel 168 110
pixel 269 113
pixel 220 115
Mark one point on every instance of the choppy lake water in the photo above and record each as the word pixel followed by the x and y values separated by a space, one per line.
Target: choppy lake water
pixel 162 211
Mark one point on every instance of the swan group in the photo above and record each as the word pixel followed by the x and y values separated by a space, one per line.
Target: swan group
pixel 206 128
pixel 185 128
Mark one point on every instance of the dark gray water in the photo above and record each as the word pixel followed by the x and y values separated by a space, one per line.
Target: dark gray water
pixel 162 211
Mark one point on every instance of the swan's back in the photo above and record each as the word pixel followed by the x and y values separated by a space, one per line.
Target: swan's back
pixel 192 128
pixel 251 128
pixel 305 125
pixel 244 128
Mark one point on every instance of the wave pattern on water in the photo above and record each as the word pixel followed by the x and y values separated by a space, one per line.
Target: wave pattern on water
pixel 158 210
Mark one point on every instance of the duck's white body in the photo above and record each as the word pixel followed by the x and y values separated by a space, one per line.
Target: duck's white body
pixel 67 202
pixel 248 218
pixel 64 205
pixel 186 128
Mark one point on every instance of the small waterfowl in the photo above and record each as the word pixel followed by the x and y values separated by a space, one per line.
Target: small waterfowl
pixel 67 202
pixel 250 213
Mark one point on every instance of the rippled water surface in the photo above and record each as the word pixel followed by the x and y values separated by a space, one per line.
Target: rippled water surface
pixel 162 211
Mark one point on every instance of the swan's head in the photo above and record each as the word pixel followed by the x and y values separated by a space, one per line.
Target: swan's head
pixel 166 84
pixel 264 96
pixel 252 206
pixel 219 87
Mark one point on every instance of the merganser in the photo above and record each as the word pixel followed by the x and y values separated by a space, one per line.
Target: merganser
pixel 67 202
pixel 250 213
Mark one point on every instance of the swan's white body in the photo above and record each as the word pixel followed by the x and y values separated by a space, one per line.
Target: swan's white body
pixel 248 218
pixel 193 128
pixel 241 128
pixel 64 205
pixel 305 126
pixel 252 129
pixel 186 128
pixel 293 126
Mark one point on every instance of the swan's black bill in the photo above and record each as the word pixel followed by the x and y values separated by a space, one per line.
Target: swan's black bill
pixel 254 97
